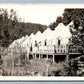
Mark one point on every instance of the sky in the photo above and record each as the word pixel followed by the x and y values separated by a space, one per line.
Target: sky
pixel 40 13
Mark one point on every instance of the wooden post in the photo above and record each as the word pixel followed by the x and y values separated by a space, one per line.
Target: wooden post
pixel 12 63
pixel 67 53
pixel 47 56
pixel 19 64
pixel 26 64
pixel 39 56
pixel 67 57
pixel 47 70
pixel 12 67
pixel 0 72
pixel 35 56
pixel 53 58
pixel 27 55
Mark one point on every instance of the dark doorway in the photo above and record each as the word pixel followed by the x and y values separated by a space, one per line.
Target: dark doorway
pixel 59 58
pixel 30 57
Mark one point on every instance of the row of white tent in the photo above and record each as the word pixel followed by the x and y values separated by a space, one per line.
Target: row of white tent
pixel 51 37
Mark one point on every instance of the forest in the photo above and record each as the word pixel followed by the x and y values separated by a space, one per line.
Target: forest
pixel 12 27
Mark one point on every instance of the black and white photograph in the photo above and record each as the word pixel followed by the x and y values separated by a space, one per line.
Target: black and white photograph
pixel 41 40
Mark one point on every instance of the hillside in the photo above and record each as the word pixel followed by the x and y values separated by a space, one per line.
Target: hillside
pixel 11 27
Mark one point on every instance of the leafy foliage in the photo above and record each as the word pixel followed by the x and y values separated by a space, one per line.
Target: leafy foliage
pixel 54 24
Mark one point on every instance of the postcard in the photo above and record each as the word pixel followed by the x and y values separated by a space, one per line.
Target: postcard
pixel 42 42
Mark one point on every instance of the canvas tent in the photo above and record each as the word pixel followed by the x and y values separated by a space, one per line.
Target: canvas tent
pixel 20 40
pixel 13 44
pixel 24 43
pixel 24 38
pixel 61 33
pixel 49 37
pixel 42 39
pixel 36 37
pixel 13 47
pixel 31 38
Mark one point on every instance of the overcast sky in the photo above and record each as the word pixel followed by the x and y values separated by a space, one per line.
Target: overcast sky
pixel 40 13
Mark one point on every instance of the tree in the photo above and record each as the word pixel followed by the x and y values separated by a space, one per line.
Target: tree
pixel 77 29
pixel 54 24
pixel 59 19
pixel 12 27
pixel 70 68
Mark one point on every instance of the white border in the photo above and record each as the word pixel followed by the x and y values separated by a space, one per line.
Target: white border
pixel 26 78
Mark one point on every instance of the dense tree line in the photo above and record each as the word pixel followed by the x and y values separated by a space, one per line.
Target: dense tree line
pixel 11 27
pixel 75 15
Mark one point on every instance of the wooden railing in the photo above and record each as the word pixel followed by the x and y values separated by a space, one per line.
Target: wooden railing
pixel 46 49
pixel 57 49
pixel 43 49
pixel 61 49
pixel 50 49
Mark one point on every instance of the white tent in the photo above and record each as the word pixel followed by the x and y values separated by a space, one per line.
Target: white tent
pixel 31 38
pixel 16 44
pixel 37 37
pixel 13 44
pixel 13 48
pixel 24 43
pixel 20 40
pixel 62 33
pixel 44 35
pixel 28 42
pixel 49 37
pixel 24 38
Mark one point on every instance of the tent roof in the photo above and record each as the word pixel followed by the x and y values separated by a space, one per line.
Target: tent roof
pixel 44 34
pixel 38 35
pixel 50 36
pixel 24 38
pixel 14 43
pixel 20 40
pixel 31 35
pixel 31 38
pixel 25 41
pixel 62 31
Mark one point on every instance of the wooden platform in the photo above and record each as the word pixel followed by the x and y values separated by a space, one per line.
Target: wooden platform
pixel 74 53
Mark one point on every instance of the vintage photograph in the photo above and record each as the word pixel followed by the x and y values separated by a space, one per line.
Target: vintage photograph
pixel 42 40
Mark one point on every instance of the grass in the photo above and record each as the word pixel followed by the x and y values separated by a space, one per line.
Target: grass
pixel 34 67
